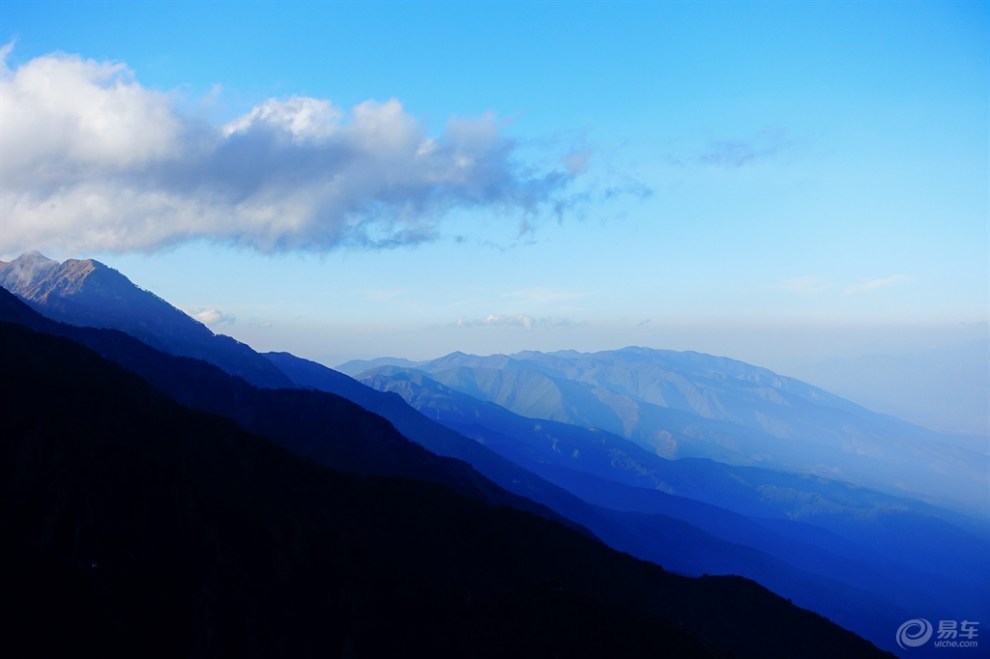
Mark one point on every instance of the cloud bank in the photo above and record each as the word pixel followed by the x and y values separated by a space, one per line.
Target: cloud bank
pixel 93 160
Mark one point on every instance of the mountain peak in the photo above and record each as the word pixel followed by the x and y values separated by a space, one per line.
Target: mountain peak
pixel 88 293
pixel 33 255
pixel 35 277
pixel 25 271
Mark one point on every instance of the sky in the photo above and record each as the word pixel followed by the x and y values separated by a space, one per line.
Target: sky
pixel 778 182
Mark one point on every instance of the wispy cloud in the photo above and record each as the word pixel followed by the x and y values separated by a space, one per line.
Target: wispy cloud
pixel 876 284
pixel 93 160
pixel 735 153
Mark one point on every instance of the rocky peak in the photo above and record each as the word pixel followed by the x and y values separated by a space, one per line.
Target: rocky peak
pixel 88 293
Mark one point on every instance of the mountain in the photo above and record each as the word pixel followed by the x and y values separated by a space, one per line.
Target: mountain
pixel 844 533
pixel 434 437
pixel 682 542
pixel 356 366
pixel 686 549
pixel 327 428
pixel 90 294
pixel 323 427
pixel 137 527
pixel 611 457
pixel 335 433
pixel 338 433
pixel 358 442
pixel 693 405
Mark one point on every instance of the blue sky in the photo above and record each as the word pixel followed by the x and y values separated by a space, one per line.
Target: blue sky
pixel 776 182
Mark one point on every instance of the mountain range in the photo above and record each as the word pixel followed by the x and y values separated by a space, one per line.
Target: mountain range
pixel 919 556
pixel 837 547
pixel 678 405
pixel 136 527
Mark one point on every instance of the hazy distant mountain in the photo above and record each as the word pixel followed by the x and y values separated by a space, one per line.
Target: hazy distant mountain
pixel 947 389
pixel 356 366
pixel 90 294
pixel 609 456
pixel 136 527
pixel 693 405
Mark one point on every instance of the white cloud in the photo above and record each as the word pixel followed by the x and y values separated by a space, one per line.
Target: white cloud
pixel 524 321
pixel 95 161
pixel 63 115
pixel 302 118
pixel 871 285
pixel 521 320
pixel 213 317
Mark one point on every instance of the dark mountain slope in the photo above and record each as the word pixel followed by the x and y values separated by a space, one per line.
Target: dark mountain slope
pixel 338 433
pixel 138 528
pixel 89 294
pixel 327 428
